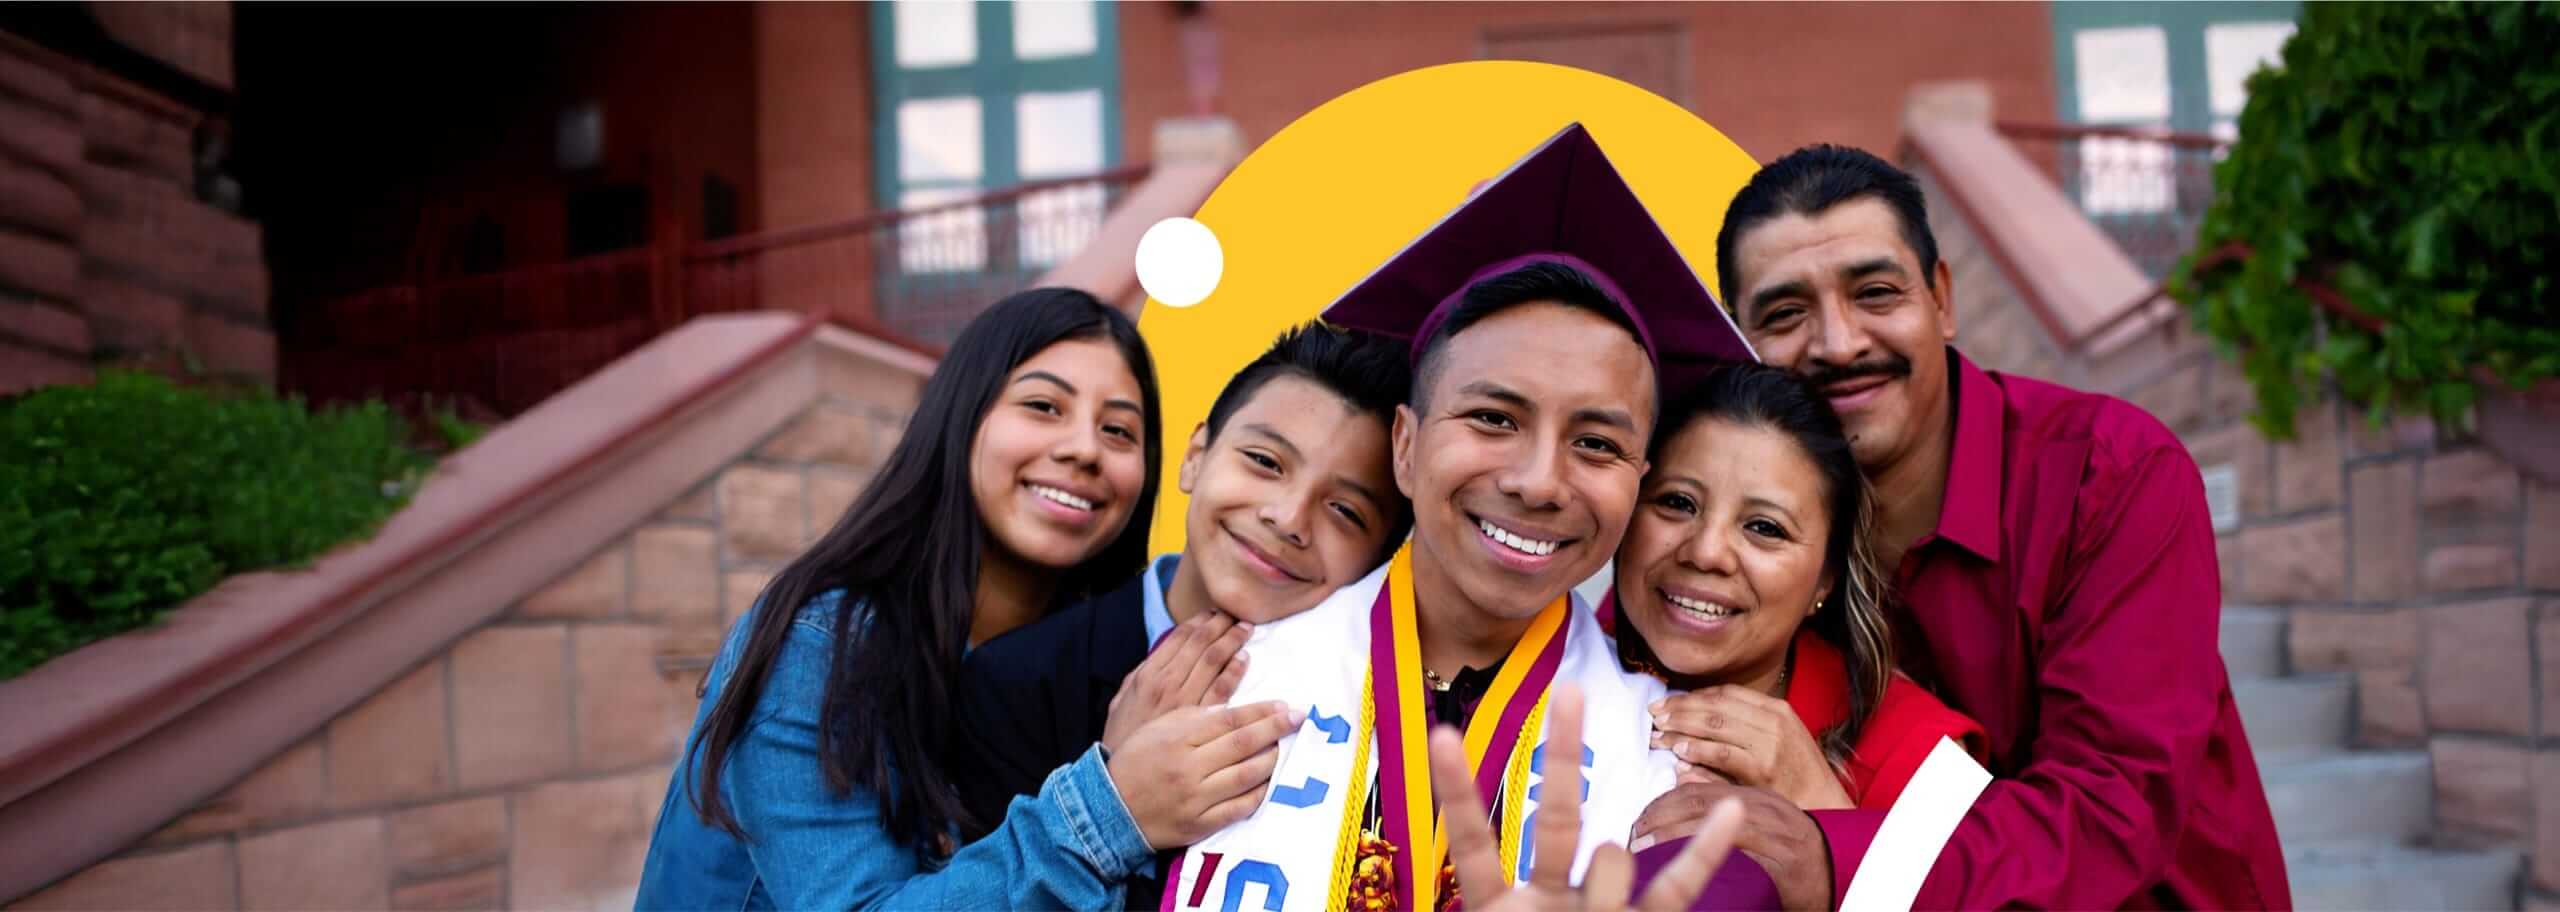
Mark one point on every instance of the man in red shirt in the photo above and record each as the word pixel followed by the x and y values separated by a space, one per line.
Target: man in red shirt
pixel 2053 576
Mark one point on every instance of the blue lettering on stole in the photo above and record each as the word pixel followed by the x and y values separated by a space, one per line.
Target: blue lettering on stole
pixel 1300 796
pixel 1311 792
pixel 1275 885
pixel 1336 729
pixel 1537 767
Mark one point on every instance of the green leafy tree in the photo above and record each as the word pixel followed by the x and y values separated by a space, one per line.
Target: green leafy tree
pixel 2390 215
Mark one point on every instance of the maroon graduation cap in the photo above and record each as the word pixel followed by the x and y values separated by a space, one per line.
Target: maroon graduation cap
pixel 1562 203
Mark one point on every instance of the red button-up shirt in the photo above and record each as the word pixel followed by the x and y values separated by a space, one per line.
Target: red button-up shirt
pixel 2070 602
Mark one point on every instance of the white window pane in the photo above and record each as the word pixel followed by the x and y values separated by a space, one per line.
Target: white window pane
pixel 1056 223
pixel 940 139
pixel 580 142
pixel 2120 176
pixel 2123 73
pixel 1045 29
pixel 2232 51
pixel 936 33
pixel 1060 133
pixel 2222 496
pixel 953 240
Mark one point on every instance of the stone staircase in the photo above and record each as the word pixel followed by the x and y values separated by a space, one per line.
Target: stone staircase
pixel 2355 823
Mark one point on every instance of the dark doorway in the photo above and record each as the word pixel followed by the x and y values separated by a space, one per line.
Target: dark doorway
pixel 719 208
pixel 607 218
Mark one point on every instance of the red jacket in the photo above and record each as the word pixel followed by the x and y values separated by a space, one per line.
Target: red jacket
pixel 1901 732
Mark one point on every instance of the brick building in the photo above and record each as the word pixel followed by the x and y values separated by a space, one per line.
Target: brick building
pixel 367 177
pixel 333 197
pixel 627 152
pixel 119 235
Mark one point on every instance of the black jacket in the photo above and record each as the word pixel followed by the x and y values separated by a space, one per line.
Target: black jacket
pixel 1037 697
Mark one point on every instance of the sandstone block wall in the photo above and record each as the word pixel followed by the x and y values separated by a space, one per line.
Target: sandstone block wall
pixel 523 766
pixel 106 252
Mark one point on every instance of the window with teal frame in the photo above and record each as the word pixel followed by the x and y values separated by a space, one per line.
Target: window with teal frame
pixel 2176 65
pixel 974 97
pixel 2180 67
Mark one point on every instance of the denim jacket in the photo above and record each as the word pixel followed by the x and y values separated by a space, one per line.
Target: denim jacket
pixel 1069 847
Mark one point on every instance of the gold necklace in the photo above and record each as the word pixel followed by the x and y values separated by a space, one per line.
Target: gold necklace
pixel 1432 679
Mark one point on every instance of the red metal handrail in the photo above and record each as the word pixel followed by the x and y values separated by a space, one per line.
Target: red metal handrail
pixel 2064 132
pixel 527 275
pixel 872 221
pixel 2133 308
pixel 910 277
pixel 2321 293
pixel 2176 189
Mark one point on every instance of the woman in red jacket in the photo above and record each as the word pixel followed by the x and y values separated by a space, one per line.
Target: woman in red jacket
pixel 1746 584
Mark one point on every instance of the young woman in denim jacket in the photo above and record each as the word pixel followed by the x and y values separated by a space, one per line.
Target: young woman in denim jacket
pixel 815 774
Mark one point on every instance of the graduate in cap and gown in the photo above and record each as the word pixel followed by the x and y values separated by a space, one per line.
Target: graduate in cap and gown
pixel 1546 315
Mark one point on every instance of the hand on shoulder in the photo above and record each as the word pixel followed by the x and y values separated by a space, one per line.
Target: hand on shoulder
pixel 1200 663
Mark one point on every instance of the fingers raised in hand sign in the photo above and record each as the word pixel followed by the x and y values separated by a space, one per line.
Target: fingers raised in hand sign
pixel 1482 885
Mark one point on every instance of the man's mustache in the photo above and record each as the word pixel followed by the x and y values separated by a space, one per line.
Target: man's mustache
pixel 1890 367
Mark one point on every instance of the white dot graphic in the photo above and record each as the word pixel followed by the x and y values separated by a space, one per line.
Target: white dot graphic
pixel 1179 261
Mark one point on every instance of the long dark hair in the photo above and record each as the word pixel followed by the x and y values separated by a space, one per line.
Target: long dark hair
pixel 1852 616
pixel 906 555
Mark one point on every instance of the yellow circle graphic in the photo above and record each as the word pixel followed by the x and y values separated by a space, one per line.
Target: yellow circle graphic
pixel 1317 207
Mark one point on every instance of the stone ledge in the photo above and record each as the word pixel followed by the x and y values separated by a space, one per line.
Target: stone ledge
pixel 202 833
pixel 113 741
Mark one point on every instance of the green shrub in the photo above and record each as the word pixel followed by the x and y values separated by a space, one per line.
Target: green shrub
pixel 121 499
pixel 452 430
pixel 2407 157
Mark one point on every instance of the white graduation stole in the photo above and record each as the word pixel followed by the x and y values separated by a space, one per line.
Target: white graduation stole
pixel 1350 663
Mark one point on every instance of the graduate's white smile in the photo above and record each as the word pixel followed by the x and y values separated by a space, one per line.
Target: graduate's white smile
pixel 1525 549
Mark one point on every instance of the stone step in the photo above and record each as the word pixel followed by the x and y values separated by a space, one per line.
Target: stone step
pixel 2253 642
pixel 2341 796
pixel 2297 714
pixel 2378 877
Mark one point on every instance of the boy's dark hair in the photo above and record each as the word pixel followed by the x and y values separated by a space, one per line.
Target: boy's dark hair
pixel 1555 282
pixel 1811 180
pixel 1366 370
